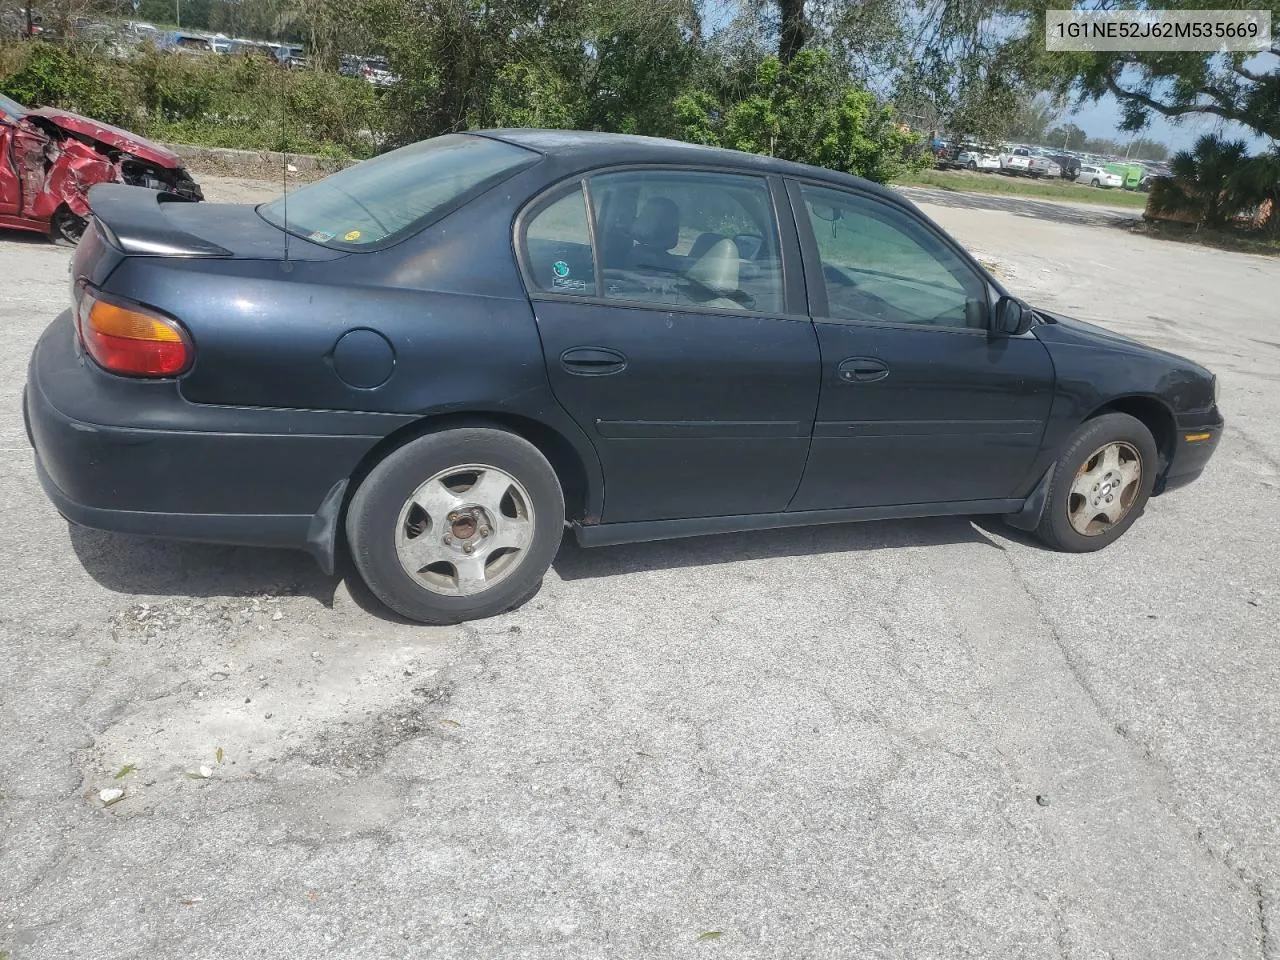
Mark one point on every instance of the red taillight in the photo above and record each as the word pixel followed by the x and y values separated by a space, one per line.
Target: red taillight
pixel 129 339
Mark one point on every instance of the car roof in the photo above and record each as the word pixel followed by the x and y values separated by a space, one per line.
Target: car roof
pixel 588 148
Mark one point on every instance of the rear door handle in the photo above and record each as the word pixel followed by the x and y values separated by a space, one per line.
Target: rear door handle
pixel 862 370
pixel 592 361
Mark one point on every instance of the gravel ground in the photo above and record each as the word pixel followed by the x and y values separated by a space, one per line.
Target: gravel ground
pixel 911 739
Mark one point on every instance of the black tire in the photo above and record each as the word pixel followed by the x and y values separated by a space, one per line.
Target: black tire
pixel 973 165
pixel 1055 527
pixel 1095 182
pixel 375 512
pixel 66 229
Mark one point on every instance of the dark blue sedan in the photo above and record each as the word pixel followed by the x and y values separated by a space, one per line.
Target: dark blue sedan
pixel 441 356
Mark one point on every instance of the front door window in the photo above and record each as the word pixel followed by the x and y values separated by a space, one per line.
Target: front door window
pixel 879 265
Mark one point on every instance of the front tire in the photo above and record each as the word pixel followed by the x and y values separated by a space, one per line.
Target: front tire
pixel 457 525
pixel 1100 484
pixel 66 228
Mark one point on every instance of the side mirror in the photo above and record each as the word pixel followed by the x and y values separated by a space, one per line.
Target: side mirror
pixel 1011 318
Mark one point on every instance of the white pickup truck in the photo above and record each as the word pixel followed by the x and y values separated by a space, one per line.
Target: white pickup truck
pixel 1020 160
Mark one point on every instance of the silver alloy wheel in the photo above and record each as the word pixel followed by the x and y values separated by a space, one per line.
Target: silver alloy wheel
pixel 465 530
pixel 1105 488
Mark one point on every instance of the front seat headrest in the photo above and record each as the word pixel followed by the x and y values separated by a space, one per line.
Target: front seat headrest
pixel 657 224
pixel 717 269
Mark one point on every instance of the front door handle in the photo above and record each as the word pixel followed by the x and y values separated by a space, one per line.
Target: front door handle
pixel 862 370
pixel 592 361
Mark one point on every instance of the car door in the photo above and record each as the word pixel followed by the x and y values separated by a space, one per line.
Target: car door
pixel 662 302
pixel 919 404
pixel 10 188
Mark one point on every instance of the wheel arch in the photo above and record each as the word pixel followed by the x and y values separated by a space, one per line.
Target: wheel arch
pixel 1153 413
pixel 580 479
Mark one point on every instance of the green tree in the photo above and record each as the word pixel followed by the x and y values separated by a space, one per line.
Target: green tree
pixel 807 111
pixel 1206 181
pixel 1173 84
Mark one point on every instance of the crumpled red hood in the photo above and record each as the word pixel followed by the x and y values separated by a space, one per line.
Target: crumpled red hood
pixel 141 148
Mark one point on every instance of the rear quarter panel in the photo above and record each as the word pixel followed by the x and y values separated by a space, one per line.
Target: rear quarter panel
pixel 449 301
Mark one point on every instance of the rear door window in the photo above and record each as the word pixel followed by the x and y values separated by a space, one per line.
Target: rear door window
pixel 558 247
pixel 688 238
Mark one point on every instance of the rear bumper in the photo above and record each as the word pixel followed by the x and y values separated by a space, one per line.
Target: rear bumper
pixel 133 456
pixel 1197 438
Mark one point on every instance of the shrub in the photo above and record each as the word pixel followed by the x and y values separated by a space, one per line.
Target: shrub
pixel 809 112
pixel 228 101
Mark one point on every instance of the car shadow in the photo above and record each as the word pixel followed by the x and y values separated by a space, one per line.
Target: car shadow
pixel 142 565
pixel 28 238
pixel 148 567
pixel 577 563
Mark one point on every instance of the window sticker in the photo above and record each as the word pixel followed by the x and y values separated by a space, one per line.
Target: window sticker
pixel 352 235
pixel 561 269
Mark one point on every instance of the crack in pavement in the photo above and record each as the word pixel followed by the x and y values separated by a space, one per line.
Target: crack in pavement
pixel 1156 769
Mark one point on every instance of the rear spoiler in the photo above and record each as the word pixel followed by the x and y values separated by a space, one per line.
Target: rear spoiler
pixel 133 220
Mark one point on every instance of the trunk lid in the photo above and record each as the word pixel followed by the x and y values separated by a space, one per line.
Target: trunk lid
pixel 141 222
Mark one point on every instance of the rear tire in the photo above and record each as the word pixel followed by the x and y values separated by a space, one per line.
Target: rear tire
pixel 1100 484
pixel 1095 182
pixel 457 525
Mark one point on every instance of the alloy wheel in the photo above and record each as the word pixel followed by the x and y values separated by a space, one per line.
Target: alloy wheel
pixel 1105 488
pixel 465 529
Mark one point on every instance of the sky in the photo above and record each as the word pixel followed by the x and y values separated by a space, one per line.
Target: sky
pixel 1102 119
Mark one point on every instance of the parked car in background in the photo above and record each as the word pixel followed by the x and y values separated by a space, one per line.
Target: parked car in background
pixel 50 158
pixel 1068 165
pixel 1152 172
pixel 377 71
pixel 1016 161
pixel 374 70
pixel 253 48
pixel 1045 167
pixel 1098 177
pixel 1130 174
pixel 178 41
pixel 485 336
pixel 978 159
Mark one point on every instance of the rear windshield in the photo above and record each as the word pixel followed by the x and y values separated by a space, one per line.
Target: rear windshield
pixel 394 194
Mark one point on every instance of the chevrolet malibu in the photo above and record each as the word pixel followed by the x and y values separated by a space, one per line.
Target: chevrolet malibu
pixel 437 359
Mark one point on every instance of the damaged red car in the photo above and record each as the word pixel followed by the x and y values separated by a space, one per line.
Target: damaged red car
pixel 50 158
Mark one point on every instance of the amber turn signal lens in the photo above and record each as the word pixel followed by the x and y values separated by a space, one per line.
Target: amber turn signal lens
pixel 1196 437
pixel 131 340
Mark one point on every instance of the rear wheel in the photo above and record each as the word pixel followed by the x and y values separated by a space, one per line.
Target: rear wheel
pixel 1095 182
pixel 1100 484
pixel 457 525
pixel 66 228
pixel 973 164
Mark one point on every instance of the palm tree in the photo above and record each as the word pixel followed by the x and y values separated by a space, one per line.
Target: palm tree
pixel 1207 177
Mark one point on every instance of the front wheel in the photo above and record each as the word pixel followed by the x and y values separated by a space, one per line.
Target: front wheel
pixel 1100 484
pixel 66 228
pixel 457 525
pixel 973 165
